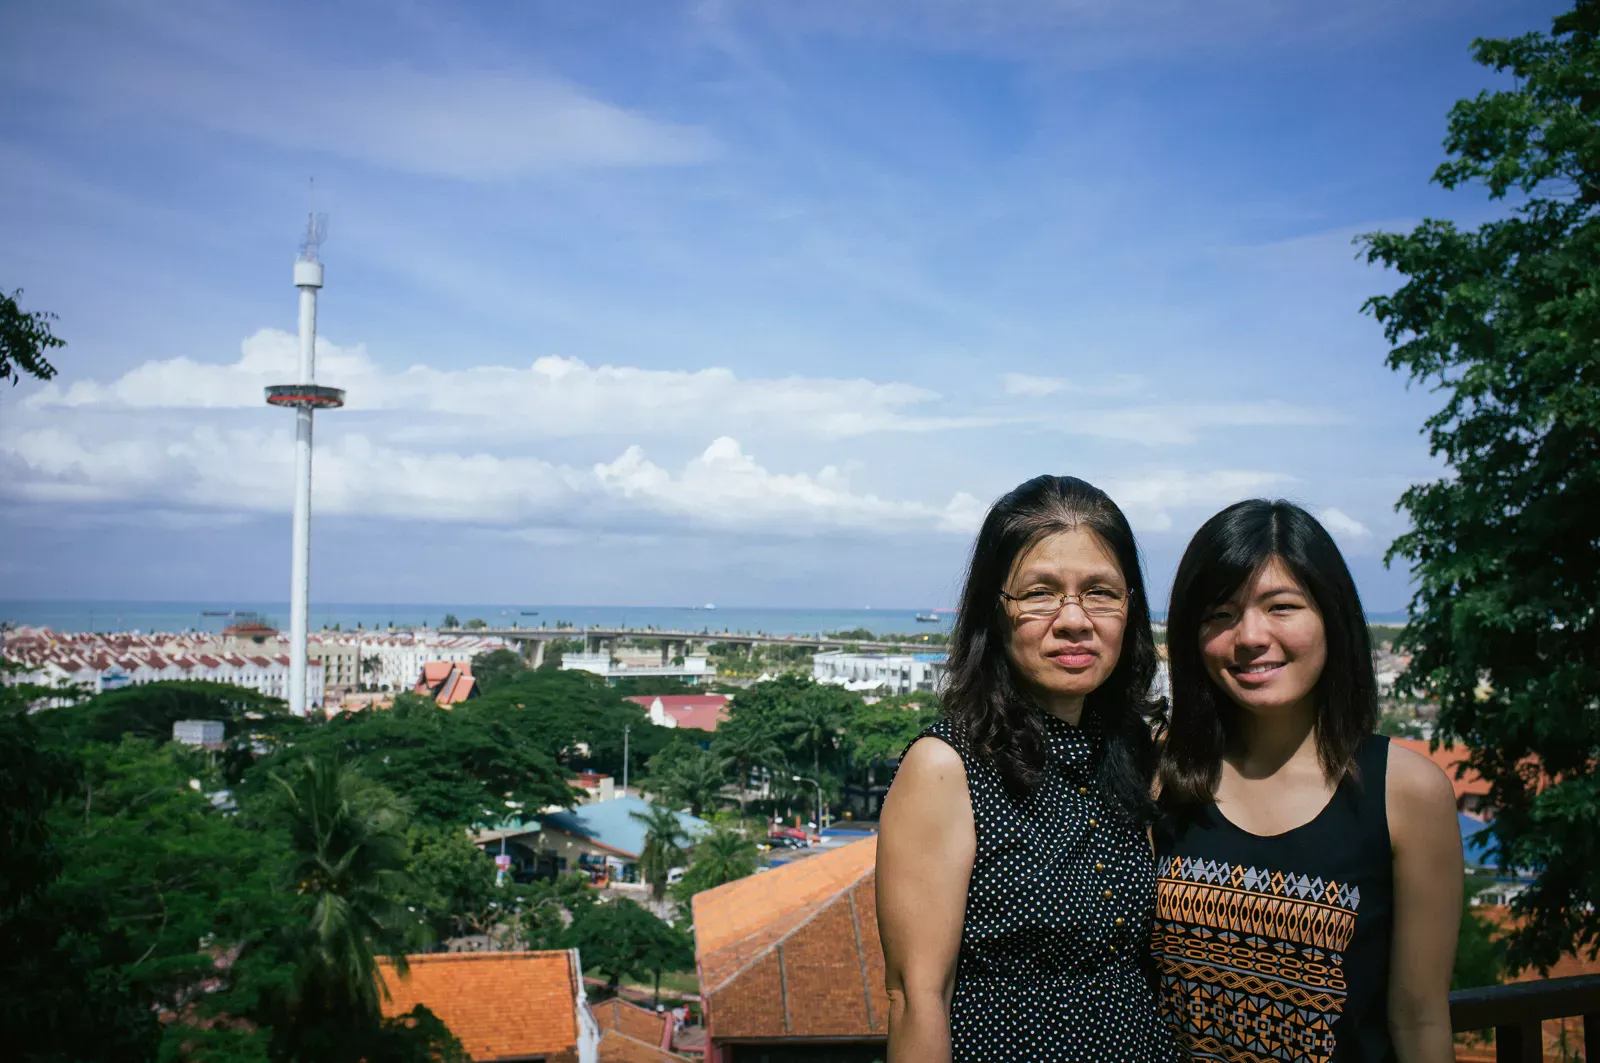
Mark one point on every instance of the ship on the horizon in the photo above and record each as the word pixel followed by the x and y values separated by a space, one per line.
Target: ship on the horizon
pixel 927 618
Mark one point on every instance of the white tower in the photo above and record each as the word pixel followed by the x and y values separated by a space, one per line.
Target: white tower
pixel 305 397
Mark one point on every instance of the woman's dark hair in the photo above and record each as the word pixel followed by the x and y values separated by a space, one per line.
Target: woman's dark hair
pixel 1226 552
pixel 982 695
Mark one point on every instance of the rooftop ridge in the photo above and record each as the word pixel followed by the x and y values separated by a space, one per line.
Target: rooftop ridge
pixel 816 907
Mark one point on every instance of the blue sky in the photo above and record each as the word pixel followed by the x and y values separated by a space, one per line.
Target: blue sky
pixel 759 303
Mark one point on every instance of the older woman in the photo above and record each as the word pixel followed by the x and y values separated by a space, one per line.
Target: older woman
pixel 1016 883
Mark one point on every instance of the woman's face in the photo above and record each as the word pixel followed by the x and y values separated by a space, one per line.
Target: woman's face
pixel 1266 646
pixel 1066 655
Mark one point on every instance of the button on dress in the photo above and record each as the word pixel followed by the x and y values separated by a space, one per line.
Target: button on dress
pixel 1054 962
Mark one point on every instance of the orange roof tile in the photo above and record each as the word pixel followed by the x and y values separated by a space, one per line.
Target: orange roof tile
pixel 793 952
pixel 641 1024
pixel 618 1047
pixel 499 1004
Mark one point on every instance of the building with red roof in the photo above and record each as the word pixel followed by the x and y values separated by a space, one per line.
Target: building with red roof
pixel 447 682
pixel 502 1005
pixel 631 1034
pixel 698 712
pixel 789 962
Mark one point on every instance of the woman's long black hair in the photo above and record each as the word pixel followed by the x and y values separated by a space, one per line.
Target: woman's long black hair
pixel 1227 550
pixel 982 695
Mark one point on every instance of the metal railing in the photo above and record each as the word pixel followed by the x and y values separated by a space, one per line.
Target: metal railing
pixel 1517 1011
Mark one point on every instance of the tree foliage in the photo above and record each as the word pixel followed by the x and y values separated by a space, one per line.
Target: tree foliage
pixel 452 766
pixel 25 337
pixel 622 940
pixel 495 668
pixel 664 841
pixel 685 775
pixel 150 710
pixel 721 855
pixel 1504 322
pixel 574 718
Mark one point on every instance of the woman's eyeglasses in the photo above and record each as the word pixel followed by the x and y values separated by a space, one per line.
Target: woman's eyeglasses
pixel 1098 601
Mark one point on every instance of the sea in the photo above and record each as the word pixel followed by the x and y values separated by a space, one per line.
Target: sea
pixel 166 617
pixel 708 618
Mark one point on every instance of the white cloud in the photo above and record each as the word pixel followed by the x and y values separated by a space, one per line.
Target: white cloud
pixel 249 469
pixel 1022 384
pixel 726 486
pixel 1148 499
pixel 1342 524
pixel 552 397
pixel 557 397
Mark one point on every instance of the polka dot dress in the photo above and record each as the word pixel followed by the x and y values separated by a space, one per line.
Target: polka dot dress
pixel 1055 943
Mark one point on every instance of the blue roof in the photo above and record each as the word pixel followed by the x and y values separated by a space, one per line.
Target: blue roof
pixel 610 823
pixel 930 656
pixel 1476 842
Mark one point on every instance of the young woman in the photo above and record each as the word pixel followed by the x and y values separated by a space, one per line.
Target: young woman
pixel 1015 880
pixel 1310 872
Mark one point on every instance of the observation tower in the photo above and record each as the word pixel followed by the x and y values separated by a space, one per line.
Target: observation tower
pixel 305 398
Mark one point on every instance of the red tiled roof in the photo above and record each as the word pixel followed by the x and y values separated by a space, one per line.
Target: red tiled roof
pixel 641 1024
pixel 618 1047
pixel 499 1004
pixel 447 682
pixel 793 952
pixel 700 712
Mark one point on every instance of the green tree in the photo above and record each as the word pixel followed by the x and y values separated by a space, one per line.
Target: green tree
pixel 807 715
pixel 150 710
pixel 449 621
pixel 721 855
pixel 477 623
pixel 1504 322
pixel 664 839
pixel 59 999
pixel 621 940
pixel 687 775
pixel 24 338
pixel 452 883
pixel 496 668
pixel 452 766
pixel 744 743
pixel 575 718
pixel 346 866
pixel 551 906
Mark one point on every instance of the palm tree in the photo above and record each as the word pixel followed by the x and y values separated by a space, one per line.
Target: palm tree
pixel 348 856
pixel 664 836
pixel 721 855
pixel 696 780
pixel 814 724
pixel 744 748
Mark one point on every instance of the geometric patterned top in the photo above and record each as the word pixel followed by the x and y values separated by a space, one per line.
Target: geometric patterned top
pixel 1276 949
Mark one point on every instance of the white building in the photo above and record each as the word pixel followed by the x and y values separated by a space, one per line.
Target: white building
pixel 692 670
pixel 94 663
pixel 400 656
pixel 890 673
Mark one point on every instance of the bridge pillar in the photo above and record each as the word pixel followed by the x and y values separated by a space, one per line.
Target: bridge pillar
pixel 538 654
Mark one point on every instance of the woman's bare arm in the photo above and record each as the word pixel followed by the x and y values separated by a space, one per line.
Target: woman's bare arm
pixel 1426 839
pixel 926 845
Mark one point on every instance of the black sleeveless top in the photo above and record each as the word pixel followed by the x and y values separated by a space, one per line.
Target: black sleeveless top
pixel 1277 948
pixel 1054 960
